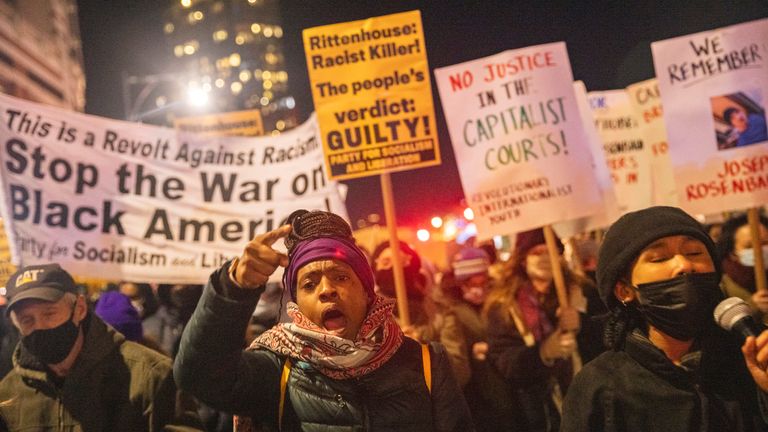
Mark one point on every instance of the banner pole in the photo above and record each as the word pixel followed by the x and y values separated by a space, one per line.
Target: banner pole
pixel 394 244
pixel 562 294
pixel 754 227
pixel 578 267
pixel 557 270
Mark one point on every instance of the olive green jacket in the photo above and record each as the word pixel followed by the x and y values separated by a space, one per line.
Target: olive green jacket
pixel 114 385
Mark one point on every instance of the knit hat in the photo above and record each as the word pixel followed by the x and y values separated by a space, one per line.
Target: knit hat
pixel 469 262
pixel 526 240
pixel 320 235
pixel 116 310
pixel 629 235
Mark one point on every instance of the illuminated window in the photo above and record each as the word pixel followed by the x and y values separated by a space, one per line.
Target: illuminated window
pixel 220 35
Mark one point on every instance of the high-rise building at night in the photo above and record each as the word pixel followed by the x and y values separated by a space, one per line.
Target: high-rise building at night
pixel 228 56
pixel 40 53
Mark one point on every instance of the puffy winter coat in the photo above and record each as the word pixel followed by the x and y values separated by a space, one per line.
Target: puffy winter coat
pixel 212 366
pixel 115 385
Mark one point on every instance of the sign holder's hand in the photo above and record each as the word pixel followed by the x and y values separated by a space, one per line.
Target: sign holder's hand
pixel 755 352
pixel 259 260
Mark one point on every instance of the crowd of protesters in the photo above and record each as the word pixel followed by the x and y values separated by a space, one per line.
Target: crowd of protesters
pixel 488 346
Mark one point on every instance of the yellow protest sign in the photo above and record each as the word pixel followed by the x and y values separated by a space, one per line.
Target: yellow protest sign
pixel 236 123
pixel 371 87
pixel 6 267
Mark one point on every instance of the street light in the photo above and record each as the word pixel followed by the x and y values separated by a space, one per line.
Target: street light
pixel 437 221
pixel 196 96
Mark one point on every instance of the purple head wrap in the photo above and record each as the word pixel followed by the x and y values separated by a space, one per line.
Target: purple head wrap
pixel 328 248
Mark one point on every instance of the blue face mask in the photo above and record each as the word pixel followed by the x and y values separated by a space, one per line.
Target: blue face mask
pixel 747 256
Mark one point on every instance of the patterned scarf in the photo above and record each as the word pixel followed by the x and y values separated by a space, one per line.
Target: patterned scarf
pixel 338 358
pixel 335 357
pixel 534 315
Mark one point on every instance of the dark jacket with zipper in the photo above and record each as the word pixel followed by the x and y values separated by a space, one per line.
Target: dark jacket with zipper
pixel 638 388
pixel 114 385
pixel 213 367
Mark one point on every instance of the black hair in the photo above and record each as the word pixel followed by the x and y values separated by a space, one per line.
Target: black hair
pixel 619 322
pixel 728 113
pixel 725 242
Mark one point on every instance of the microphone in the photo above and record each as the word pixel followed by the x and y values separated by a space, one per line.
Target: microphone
pixel 734 314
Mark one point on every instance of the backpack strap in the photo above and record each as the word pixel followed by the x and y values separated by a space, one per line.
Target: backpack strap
pixel 427 366
pixel 283 385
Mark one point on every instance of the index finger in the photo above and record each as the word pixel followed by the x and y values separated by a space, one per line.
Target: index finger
pixel 272 236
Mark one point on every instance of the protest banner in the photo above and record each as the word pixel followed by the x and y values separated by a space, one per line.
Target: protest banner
pixel 610 210
pixel 646 103
pixel 713 86
pixel 627 155
pixel 235 123
pixel 372 93
pixel 137 202
pixel 519 140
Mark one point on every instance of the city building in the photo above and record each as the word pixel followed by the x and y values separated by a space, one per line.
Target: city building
pixel 40 53
pixel 227 55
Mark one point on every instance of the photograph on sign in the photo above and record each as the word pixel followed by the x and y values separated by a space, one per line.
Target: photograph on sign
pixel 739 119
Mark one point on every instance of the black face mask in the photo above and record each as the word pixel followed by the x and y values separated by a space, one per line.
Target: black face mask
pixel 385 279
pixel 681 307
pixel 51 346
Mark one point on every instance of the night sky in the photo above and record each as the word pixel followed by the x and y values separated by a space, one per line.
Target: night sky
pixel 608 44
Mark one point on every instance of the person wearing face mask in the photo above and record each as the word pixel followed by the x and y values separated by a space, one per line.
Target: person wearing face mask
pixel 177 302
pixel 342 363
pixel 73 372
pixel 531 338
pixel 464 333
pixel 421 308
pixel 736 249
pixel 668 367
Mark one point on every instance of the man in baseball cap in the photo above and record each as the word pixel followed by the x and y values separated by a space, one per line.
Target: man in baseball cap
pixel 47 282
pixel 72 371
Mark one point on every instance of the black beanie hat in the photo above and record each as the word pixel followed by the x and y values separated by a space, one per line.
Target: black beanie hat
pixel 633 232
